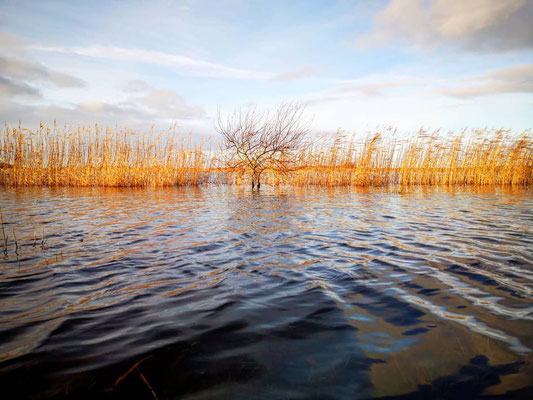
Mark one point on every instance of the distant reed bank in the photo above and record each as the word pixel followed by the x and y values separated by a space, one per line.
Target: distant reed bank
pixel 97 156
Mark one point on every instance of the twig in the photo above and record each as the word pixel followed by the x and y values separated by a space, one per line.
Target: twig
pixel 147 384
pixel 129 371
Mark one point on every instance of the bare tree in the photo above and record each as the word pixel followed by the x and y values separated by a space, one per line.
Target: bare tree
pixel 255 141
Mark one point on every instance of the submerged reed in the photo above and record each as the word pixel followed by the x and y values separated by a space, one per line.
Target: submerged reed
pixel 95 156
pixel 17 243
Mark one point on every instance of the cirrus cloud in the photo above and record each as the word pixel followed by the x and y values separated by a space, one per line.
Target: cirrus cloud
pixel 186 65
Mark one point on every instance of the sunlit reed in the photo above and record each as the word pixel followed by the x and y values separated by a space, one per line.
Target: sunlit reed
pixel 96 156
pixel 475 158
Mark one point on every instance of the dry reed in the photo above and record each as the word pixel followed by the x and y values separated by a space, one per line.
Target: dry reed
pixel 477 158
pixel 95 156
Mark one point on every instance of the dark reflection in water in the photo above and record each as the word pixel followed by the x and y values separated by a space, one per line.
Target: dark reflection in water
pixel 223 293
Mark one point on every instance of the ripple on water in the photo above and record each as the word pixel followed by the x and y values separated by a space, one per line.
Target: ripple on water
pixel 225 293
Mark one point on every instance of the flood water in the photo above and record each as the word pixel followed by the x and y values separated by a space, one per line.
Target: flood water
pixel 224 293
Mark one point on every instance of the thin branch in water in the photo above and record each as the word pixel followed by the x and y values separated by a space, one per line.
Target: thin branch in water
pixel 147 383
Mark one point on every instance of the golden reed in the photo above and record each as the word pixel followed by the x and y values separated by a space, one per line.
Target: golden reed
pixel 478 158
pixel 95 156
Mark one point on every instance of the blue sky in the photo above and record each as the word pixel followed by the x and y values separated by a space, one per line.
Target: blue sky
pixel 355 65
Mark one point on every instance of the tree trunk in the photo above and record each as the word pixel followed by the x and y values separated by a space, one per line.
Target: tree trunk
pixel 256 179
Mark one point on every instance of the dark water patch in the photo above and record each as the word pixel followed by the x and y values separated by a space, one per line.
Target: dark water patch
pixel 483 279
pixel 415 331
pixel 389 308
pixel 428 292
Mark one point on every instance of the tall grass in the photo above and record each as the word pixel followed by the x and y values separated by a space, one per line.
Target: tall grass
pixel 95 156
pixel 477 158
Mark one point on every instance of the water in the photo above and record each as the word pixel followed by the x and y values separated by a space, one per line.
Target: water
pixel 219 292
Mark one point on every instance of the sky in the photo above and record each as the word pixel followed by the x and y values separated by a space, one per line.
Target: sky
pixel 355 65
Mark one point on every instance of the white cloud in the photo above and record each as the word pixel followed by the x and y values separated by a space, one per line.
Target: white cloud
pixel 10 42
pixel 142 108
pixel 21 79
pixel 130 115
pixel 186 65
pixel 514 79
pixel 20 75
pixel 301 73
pixel 161 103
pixel 135 86
pixel 10 88
pixel 476 25
pixel 182 64
pixel 371 86
pixel 168 103
pixel 27 70
pixel 376 86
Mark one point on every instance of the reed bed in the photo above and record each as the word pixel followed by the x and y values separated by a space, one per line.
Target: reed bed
pixel 96 156
pixel 481 157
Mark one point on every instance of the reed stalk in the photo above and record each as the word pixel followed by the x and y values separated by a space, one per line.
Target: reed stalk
pixel 16 242
pixel 4 236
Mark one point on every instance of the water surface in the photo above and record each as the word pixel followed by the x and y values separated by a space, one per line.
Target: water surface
pixel 220 292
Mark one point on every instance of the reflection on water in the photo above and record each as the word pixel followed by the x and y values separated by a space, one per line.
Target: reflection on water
pixel 225 293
